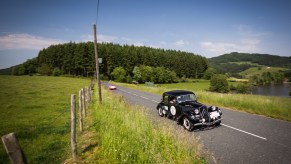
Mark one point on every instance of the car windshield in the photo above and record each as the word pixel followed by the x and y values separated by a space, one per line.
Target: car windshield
pixel 186 97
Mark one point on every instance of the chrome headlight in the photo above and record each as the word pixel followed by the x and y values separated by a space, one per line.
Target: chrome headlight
pixel 213 108
pixel 219 111
pixel 196 111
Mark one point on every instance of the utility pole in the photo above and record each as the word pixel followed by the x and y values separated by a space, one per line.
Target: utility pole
pixel 97 64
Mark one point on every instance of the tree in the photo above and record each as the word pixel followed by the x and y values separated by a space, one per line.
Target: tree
pixel 218 83
pixel 136 74
pixel 78 59
pixel 243 88
pixel 44 69
pixel 119 74
pixel 209 73
pixel 146 73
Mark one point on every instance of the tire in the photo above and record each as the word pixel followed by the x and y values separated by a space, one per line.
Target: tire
pixel 218 123
pixel 187 124
pixel 160 112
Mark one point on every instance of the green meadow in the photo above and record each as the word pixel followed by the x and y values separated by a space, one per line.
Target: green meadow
pixel 260 69
pixel 37 110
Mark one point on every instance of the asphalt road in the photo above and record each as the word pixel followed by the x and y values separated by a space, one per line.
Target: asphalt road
pixel 242 138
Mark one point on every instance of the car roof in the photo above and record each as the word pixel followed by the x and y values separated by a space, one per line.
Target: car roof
pixel 177 92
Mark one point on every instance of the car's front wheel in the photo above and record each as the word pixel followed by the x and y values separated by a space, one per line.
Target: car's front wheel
pixel 187 124
pixel 160 112
pixel 218 123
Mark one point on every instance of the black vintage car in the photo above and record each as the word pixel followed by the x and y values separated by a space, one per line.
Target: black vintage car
pixel 183 107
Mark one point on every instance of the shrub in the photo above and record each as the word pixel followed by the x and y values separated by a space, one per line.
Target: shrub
pixel 57 72
pixel 218 83
pixel 119 74
pixel 209 73
pixel 243 88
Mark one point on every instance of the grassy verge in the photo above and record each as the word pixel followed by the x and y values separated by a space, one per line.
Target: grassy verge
pixel 37 109
pixel 126 134
pixel 270 106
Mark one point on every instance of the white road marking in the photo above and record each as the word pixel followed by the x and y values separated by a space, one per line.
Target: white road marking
pixel 245 132
pixel 221 124
pixel 144 97
pixel 138 96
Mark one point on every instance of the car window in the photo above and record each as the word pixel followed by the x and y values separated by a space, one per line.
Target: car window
pixel 186 97
pixel 166 99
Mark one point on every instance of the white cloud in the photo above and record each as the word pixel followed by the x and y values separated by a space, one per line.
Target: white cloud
pixel 181 43
pixel 26 41
pixel 245 45
pixel 247 31
pixel 248 41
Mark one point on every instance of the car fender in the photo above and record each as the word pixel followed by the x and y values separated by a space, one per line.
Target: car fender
pixel 159 105
pixel 182 115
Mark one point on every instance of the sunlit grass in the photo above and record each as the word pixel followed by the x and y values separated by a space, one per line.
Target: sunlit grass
pixel 270 106
pixel 260 69
pixel 37 110
pixel 127 134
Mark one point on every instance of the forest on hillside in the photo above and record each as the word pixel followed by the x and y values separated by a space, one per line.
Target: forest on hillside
pixel 235 62
pixel 78 59
pixel 261 59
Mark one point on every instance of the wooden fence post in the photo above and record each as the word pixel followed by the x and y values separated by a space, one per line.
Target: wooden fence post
pixel 80 111
pixel 86 96
pixel 13 149
pixel 73 127
pixel 83 102
pixel 90 94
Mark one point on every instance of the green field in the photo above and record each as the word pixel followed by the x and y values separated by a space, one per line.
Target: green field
pixel 244 62
pixel 196 85
pixel 259 70
pixel 37 110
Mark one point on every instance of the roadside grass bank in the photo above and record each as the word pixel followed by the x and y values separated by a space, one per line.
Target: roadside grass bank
pixel 37 110
pixel 270 106
pixel 126 134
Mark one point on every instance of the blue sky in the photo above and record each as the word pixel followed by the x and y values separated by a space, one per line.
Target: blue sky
pixel 205 27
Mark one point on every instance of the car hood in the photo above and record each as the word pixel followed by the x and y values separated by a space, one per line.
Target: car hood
pixel 194 104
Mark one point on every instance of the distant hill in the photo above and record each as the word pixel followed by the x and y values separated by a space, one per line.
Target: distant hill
pixel 6 71
pixel 261 59
pixel 237 64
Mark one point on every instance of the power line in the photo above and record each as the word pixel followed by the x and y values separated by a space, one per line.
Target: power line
pixel 97 12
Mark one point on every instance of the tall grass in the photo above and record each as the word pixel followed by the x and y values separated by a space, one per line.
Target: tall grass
pixel 270 106
pixel 127 134
pixel 37 109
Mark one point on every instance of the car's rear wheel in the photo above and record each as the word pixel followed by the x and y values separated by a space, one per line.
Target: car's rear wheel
pixel 160 112
pixel 187 124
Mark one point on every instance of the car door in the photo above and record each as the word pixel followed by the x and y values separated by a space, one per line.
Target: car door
pixel 173 106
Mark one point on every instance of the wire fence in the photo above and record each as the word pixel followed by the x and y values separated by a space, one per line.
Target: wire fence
pixel 13 148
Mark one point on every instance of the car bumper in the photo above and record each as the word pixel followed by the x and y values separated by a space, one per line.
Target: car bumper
pixel 208 123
